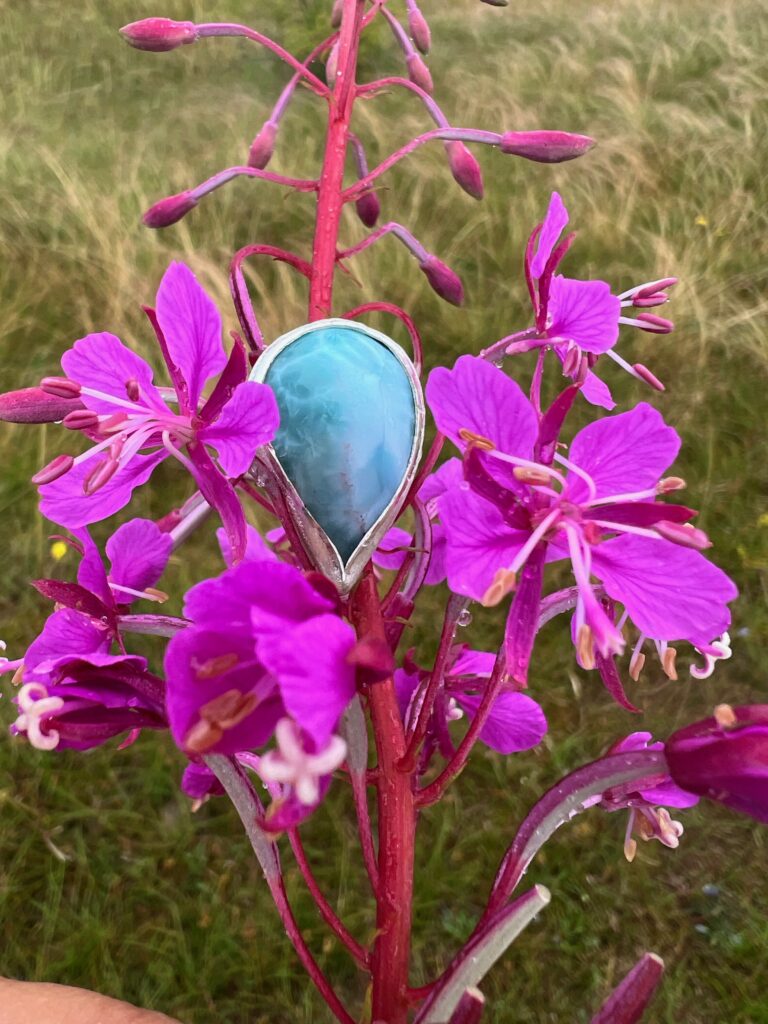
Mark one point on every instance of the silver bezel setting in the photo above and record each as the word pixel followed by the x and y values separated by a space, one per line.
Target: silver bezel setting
pixel 320 549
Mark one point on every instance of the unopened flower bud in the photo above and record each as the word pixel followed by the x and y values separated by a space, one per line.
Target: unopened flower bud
pixel 368 208
pixel 336 13
pixel 650 378
pixel 465 169
pixel 60 387
pixel 263 146
pixel 654 324
pixel 169 210
pixel 444 281
pixel 419 29
pixel 418 72
pixel 56 468
pixel 159 34
pixel 372 659
pixel 546 147
pixel 81 419
pixel 683 534
pixel 34 405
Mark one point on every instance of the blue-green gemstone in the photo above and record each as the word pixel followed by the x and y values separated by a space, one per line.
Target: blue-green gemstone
pixel 347 423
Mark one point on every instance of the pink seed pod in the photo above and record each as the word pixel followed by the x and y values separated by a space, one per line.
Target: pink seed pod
pixel 263 146
pixel 368 208
pixel 419 30
pixel 465 169
pixel 546 147
pixel 444 281
pixel 60 387
pixel 34 405
pixel 169 210
pixel 158 35
pixel 56 467
pixel 418 72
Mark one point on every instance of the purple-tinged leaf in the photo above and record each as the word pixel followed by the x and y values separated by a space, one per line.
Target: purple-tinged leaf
pixel 520 630
pixel 472 963
pixel 234 373
pixel 564 801
pixel 629 1000
pixel 606 666
pixel 551 424
pixel 72 595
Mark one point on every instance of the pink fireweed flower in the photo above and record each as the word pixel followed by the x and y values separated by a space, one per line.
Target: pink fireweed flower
pixel 79 701
pixel 581 319
pixel 725 758
pixel 134 429
pixel 599 508
pixel 293 765
pixel 264 643
pixel 648 814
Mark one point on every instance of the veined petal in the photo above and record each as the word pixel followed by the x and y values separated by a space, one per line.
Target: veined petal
pixel 102 362
pixel 64 501
pixel 478 542
pixel 437 483
pixel 670 592
pixel 597 392
pixel 192 327
pixel 310 662
pixel 248 420
pixel 91 573
pixel 477 396
pixel 256 547
pixel 554 223
pixel 584 312
pixel 623 454
pixel 138 552
pixel 516 721
pixel 65 633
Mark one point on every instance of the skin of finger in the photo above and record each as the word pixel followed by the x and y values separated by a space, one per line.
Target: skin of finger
pixel 23 1001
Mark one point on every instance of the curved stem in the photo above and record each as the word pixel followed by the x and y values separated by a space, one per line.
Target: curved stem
pixel 239 287
pixel 432 793
pixel 328 914
pixel 434 111
pixel 403 317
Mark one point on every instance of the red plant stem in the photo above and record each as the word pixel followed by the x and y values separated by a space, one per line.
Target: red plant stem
pixel 401 233
pixel 453 609
pixel 427 465
pixel 328 914
pixel 446 134
pixel 330 199
pixel 381 84
pixel 432 793
pixel 397 827
pixel 256 495
pixel 389 307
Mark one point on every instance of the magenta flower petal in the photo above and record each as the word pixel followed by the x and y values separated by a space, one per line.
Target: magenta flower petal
pixel 256 547
pixel 554 223
pixel 406 684
pixel 220 494
pixel 624 453
pixel 597 392
pixel 437 483
pixel 198 782
pixel 65 502
pixel 437 570
pixel 102 362
pixel 316 678
pixel 479 542
pixel 138 552
pixel 516 721
pixel 248 420
pixel 91 573
pixel 670 592
pixel 391 552
pixel 202 668
pixel 665 794
pixel 65 633
pixel 474 663
pixel 479 397
pixel 584 312
pixel 192 327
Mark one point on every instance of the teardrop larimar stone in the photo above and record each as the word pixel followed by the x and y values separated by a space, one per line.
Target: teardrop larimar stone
pixel 347 427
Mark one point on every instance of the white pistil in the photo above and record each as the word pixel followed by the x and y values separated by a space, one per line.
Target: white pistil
pixel 35 705
pixel 640 531
pixel 292 765
pixel 723 651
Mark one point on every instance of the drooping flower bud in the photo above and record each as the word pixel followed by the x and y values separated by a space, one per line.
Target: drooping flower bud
pixel 418 72
pixel 169 210
pixel 419 29
pixel 34 405
pixel 263 146
pixel 444 281
pixel 158 35
pixel 368 208
pixel 465 169
pixel 546 147
pixel 336 13
pixel 332 65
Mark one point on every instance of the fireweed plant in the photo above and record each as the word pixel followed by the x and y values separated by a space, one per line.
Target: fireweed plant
pixel 278 674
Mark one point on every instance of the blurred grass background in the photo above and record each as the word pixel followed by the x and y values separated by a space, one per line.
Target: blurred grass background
pixel 106 880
